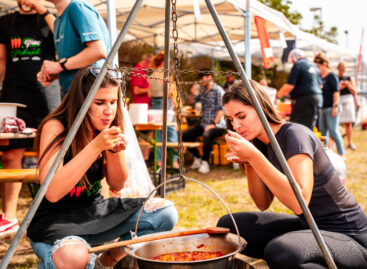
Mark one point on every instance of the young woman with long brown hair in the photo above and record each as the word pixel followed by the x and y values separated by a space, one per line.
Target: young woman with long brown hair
pixel 285 240
pixel 73 215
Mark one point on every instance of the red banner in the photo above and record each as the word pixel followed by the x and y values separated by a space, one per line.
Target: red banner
pixel 266 50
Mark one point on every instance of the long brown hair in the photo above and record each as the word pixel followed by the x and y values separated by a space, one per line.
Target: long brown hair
pixel 68 109
pixel 239 92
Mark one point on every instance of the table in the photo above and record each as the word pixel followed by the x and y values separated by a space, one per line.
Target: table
pixel 150 126
pixel 5 137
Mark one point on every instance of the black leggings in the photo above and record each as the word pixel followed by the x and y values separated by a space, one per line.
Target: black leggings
pixel 283 242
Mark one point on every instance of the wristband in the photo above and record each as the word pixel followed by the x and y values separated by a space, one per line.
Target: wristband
pixel 335 105
pixel 46 13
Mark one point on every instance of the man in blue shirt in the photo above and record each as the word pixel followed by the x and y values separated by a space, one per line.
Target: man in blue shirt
pixel 304 86
pixel 212 124
pixel 81 39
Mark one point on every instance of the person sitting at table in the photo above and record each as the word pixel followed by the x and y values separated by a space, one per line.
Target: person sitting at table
pixel 284 240
pixel 73 215
pixel 212 122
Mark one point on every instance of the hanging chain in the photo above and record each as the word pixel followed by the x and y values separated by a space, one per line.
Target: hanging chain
pixel 178 96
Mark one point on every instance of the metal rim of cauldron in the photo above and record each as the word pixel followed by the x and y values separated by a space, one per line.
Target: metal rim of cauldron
pixel 200 183
pixel 240 244
pixel 131 252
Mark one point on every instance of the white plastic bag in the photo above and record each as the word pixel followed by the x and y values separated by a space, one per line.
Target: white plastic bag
pixel 139 183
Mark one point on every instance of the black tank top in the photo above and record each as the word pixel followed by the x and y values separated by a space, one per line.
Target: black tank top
pixel 344 91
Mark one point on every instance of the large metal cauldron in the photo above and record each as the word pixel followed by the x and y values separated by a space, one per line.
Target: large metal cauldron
pixel 228 244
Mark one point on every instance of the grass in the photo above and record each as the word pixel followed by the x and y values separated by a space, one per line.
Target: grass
pixel 198 207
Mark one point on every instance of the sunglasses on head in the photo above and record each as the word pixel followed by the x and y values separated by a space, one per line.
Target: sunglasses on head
pixel 95 70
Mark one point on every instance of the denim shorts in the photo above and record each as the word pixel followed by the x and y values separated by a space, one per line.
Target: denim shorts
pixel 159 220
pixel 45 251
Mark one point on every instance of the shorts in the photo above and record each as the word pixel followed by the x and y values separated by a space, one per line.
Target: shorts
pixel 45 251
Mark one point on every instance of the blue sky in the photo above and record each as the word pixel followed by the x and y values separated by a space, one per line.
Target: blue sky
pixel 347 15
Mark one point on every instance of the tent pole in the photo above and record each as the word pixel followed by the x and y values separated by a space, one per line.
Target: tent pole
pixel 111 21
pixel 273 141
pixel 247 27
pixel 68 139
pixel 165 95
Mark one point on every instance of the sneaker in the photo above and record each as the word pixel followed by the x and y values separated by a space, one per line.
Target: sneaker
pixel 7 226
pixel 204 168
pixel 196 164
pixel 352 146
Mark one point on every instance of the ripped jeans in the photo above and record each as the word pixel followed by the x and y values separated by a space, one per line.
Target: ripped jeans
pixel 151 221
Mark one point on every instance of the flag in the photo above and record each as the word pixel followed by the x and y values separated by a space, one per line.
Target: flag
pixel 266 50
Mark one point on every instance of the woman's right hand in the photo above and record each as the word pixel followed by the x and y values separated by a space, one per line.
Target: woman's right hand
pixel 241 149
pixel 108 138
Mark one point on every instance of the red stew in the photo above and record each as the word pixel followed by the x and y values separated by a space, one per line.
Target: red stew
pixel 187 256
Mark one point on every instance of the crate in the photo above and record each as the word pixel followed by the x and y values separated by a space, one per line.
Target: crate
pixel 218 154
pixel 171 186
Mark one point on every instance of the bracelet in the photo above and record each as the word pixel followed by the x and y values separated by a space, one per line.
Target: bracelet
pixel 46 13
pixel 110 150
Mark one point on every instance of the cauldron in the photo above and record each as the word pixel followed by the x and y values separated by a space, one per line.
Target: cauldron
pixel 229 244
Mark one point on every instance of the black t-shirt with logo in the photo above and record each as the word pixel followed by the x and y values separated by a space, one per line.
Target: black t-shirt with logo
pixel 28 42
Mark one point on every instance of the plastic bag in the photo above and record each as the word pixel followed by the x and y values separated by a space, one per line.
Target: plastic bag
pixel 138 183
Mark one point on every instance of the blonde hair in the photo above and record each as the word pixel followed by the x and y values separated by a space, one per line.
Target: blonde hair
pixel 341 64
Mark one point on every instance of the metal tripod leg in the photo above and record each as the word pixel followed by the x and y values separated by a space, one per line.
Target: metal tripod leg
pixel 68 139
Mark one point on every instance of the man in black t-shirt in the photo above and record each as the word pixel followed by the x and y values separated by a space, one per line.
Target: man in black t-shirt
pixel 304 87
pixel 25 42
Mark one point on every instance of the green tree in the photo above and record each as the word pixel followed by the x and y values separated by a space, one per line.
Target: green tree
pixel 318 29
pixel 293 16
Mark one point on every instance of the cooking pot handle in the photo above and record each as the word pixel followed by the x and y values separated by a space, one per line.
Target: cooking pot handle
pixel 200 183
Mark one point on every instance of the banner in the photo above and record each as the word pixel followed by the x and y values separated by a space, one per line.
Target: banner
pixel 266 50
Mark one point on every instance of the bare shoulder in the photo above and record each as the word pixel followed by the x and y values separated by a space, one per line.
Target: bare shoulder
pixel 52 128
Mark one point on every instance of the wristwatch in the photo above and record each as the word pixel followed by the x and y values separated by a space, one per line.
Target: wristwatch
pixel 335 105
pixel 62 63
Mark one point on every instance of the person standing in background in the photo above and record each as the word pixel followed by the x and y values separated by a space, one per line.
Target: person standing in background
pixel 25 42
pixel 156 102
pixel 304 87
pixel 81 39
pixel 347 103
pixel 329 114
pixel 140 89
pixel 230 80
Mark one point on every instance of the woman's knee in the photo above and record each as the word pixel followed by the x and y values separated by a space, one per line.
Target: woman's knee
pixel 71 254
pixel 278 254
pixel 225 221
pixel 168 217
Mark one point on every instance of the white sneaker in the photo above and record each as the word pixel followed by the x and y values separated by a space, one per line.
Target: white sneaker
pixel 204 168
pixel 196 164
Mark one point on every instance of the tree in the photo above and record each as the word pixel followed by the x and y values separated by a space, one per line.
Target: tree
pixel 293 16
pixel 318 29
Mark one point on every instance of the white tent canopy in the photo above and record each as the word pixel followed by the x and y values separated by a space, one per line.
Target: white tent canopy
pixel 202 33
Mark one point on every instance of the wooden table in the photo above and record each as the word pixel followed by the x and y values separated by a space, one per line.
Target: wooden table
pixel 5 137
pixel 150 126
